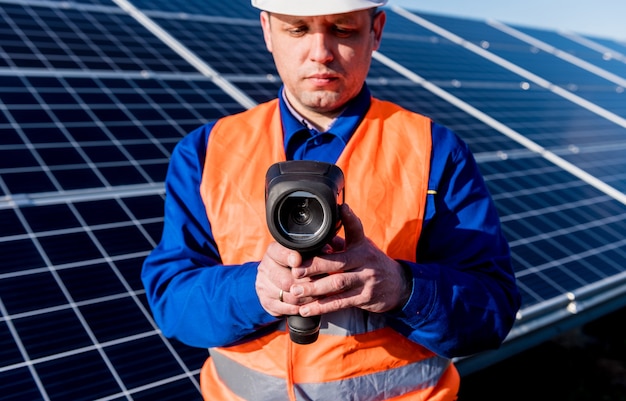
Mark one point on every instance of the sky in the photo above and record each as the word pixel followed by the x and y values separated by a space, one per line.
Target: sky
pixel 603 18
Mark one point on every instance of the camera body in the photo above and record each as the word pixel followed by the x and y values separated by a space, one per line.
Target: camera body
pixel 302 200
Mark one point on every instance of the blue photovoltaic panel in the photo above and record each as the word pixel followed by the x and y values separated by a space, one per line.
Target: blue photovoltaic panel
pixel 477 134
pixel 81 39
pixel 574 46
pixel 231 9
pixel 564 126
pixel 609 48
pixel 69 133
pixel 571 76
pixel 76 300
pixel 92 103
pixel 491 88
pixel 558 227
pixel 109 3
pixel 231 47
pixel 553 256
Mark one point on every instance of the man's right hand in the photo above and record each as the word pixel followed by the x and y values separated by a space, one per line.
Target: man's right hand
pixel 274 279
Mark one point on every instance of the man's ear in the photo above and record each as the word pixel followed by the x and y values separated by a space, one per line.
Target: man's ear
pixel 379 24
pixel 267 29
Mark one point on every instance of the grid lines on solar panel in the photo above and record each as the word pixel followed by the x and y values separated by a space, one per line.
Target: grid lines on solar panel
pixel 480 137
pixel 611 49
pixel 540 115
pixel 233 9
pixel 61 38
pixel 605 163
pixel 563 233
pixel 568 74
pixel 69 133
pixel 230 47
pixel 88 2
pixel 474 72
pixel 603 59
pixel 429 50
pixel 81 316
pixel 92 103
pixel 260 90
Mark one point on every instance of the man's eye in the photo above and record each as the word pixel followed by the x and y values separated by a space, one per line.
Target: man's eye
pixel 343 32
pixel 298 31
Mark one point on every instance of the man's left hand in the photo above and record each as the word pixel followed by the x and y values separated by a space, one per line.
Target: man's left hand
pixel 361 275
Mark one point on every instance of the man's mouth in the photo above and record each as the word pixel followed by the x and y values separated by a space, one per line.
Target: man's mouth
pixel 322 79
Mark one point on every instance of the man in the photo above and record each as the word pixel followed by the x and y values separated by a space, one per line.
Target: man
pixel 420 274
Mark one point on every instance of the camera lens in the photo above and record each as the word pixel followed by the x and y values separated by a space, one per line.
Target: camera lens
pixel 301 216
pixel 302 199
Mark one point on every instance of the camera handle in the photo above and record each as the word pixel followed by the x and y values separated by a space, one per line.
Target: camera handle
pixel 303 330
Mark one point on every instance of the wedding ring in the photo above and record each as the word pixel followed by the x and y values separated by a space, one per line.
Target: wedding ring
pixel 280 296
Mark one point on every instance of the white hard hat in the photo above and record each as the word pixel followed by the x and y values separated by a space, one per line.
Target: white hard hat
pixel 307 8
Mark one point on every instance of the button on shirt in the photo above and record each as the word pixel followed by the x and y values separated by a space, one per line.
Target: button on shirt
pixel 303 142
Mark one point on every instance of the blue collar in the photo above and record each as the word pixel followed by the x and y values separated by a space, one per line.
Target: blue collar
pixel 343 127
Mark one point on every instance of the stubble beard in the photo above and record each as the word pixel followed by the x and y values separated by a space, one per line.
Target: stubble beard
pixel 325 102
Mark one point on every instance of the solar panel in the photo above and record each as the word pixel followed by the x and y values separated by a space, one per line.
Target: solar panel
pixel 589 78
pixel 80 37
pixel 78 132
pixel 607 58
pixel 93 100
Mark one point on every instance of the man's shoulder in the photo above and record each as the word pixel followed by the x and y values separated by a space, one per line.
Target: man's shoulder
pixel 197 137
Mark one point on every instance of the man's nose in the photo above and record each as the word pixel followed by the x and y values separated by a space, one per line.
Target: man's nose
pixel 321 48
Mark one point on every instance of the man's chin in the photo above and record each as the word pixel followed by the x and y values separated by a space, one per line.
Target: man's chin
pixel 324 101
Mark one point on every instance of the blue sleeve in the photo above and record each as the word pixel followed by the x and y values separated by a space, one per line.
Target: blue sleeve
pixel 190 292
pixel 464 296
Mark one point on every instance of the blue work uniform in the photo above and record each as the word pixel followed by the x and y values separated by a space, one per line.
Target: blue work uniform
pixel 464 297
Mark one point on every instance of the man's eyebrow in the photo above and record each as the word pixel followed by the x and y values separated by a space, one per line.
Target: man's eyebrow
pixel 345 19
pixel 294 20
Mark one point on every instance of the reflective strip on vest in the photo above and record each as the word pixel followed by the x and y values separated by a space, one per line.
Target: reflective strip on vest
pixel 252 385
pixel 386 165
pixel 249 384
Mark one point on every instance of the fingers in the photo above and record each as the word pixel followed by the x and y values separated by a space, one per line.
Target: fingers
pixel 374 290
pixel 346 273
pixel 337 244
pixel 331 303
pixel 282 256
pixel 335 257
pixel 275 300
pixel 352 225
pixel 324 286
pixel 274 279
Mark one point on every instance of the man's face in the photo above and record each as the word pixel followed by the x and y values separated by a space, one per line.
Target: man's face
pixel 322 60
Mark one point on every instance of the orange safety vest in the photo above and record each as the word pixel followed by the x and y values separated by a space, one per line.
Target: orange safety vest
pixel 357 356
